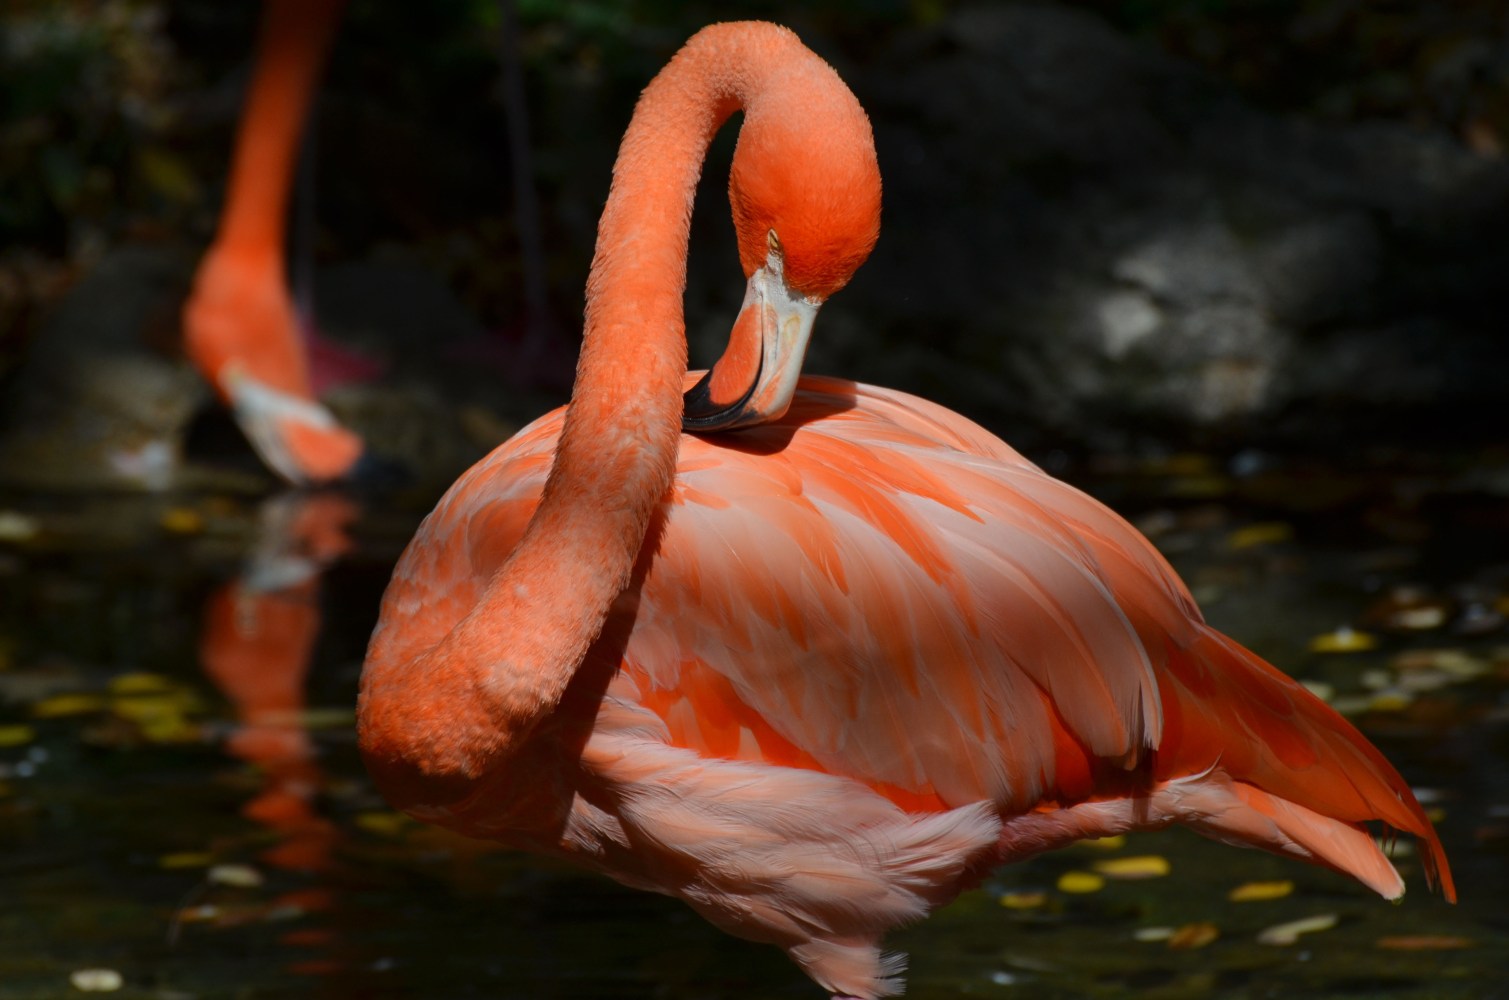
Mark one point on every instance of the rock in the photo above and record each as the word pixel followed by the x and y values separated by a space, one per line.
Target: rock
pixel 93 403
pixel 1096 237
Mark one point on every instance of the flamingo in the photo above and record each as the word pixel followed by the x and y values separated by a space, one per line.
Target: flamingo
pixel 817 676
pixel 241 328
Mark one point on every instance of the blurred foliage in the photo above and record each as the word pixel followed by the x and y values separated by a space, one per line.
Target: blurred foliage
pixel 84 84
pixel 1442 64
pixel 116 116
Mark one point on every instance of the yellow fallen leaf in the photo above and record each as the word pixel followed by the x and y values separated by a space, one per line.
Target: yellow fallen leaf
pixel 140 683
pixel 389 824
pixel 1080 882
pixel 16 735
pixel 181 521
pixel 1389 701
pixel 60 705
pixel 1193 936
pixel 1251 892
pixel 1115 842
pixel 148 707
pixel 1140 866
pixel 1022 900
pixel 1288 933
pixel 1263 533
pixel 186 859
pixel 1343 640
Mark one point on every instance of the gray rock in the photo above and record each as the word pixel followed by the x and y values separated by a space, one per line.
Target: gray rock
pixel 1124 246
pixel 94 404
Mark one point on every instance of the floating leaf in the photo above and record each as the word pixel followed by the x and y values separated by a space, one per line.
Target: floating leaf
pixel 1454 662
pixel 1263 533
pixel 1390 701
pixel 140 683
pixel 186 859
pixel 1153 933
pixel 16 735
pixel 1022 900
pixel 1193 936
pixel 236 876
pixel 1287 934
pixel 182 521
pixel 62 705
pixel 1251 892
pixel 1080 882
pixel 1419 619
pixel 1115 842
pixel 389 824
pixel 96 980
pixel 1425 942
pixel 17 527
pixel 1140 866
pixel 1343 640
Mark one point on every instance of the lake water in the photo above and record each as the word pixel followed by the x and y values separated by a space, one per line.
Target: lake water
pixel 183 812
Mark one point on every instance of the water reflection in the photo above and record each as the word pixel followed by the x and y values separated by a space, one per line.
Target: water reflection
pixel 181 801
pixel 257 642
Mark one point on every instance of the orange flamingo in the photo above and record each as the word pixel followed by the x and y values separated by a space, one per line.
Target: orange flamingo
pixel 818 676
pixel 240 325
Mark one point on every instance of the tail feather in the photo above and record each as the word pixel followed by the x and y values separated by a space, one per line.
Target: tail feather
pixel 1293 759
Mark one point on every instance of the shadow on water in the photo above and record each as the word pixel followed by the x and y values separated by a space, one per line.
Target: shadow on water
pixel 183 813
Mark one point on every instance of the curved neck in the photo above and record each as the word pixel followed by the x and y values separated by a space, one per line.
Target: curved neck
pixel 617 452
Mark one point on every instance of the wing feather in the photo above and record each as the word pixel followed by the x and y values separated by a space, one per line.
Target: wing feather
pixel 889 593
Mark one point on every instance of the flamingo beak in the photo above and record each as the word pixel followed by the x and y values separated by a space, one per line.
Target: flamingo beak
pixel 299 439
pixel 754 380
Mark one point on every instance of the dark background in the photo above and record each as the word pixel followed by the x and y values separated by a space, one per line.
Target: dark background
pixel 1109 225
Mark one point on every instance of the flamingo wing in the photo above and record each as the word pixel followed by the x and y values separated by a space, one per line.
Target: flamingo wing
pixel 895 596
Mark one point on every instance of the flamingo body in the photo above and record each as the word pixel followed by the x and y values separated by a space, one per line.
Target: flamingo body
pixel 818 676
pixel 869 653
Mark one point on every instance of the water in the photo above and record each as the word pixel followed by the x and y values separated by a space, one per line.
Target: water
pixel 183 813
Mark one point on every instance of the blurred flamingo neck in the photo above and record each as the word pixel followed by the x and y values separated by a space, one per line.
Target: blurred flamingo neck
pixel 294 37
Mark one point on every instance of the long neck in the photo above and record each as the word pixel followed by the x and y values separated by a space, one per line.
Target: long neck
pixel 617 452
pixel 293 39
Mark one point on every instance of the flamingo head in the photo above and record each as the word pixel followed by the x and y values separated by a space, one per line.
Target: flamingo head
pixel 805 192
pixel 298 438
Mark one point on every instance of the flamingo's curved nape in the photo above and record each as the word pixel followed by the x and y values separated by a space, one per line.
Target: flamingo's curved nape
pixel 816 677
